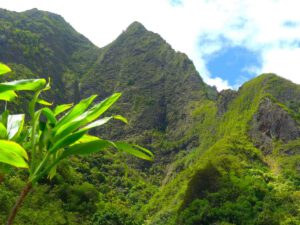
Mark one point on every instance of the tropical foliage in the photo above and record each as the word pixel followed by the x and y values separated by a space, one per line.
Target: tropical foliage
pixel 57 137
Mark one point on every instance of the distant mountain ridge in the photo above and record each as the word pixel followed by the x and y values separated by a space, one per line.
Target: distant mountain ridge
pixel 229 157
pixel 47 45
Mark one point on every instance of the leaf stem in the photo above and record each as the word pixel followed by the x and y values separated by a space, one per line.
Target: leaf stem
pixel 1 178
pixel 33 130
pixel 18 203
pixel 40 167
pixel 45 171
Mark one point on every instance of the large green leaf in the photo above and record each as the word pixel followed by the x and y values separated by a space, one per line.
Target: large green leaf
pixel 102 121
pixel 66 141
pixel 96 123
pixel 15 125
pixel 61 108
pixel 135 150
pixel 8 96
pixel 121 118
pixel 52 172
pixel 87 138
pixel 43 102
pixel 23 85
pixel 4 117
pixel 13 154
pixel 87 148
pixel 77 110
pixel 98 109
pixel 4 69
pixel 87 116
pixel 49 114
pixel 3 131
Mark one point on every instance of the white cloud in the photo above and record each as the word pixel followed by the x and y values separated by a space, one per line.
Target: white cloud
pixel 257 25
pixel 251 69
pixel 219 83
pixel 285 62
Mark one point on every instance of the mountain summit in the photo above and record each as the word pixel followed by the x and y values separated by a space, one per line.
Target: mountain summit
pixel 135 27
pixel 158 84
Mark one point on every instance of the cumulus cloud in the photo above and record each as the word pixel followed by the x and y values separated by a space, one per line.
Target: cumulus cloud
pixel 197 28
pixel 284 62
pixel 219 83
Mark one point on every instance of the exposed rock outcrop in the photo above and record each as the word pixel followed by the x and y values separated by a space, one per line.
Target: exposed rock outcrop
pixel 224 99
pixel 272 122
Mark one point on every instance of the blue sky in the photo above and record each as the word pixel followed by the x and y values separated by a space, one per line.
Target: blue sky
pixel 235 64
pixel 176 2
pixel 229 41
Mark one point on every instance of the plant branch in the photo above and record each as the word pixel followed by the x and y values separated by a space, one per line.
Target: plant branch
pixel 18 203
pixel 33 177
pixel 33 131
pixel 1 178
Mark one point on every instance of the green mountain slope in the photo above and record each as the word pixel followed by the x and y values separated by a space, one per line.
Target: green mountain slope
pixel 47 45
pixel 160 89
pixel 248 173
pixel 220 158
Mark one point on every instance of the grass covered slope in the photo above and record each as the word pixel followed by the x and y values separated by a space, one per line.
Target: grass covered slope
pixel 230 178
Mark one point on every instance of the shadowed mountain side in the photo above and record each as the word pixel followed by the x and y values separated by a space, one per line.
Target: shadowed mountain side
pixel 160 87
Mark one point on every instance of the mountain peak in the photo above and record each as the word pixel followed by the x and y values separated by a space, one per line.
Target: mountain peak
pixel 33 10
pixel 136 27
pixel 37 13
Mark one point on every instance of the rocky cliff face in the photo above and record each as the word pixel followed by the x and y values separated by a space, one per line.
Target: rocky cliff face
pixel 270 123
pixel 224 99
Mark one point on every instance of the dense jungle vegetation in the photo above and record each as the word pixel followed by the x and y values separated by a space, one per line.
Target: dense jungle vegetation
pixel 229 157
